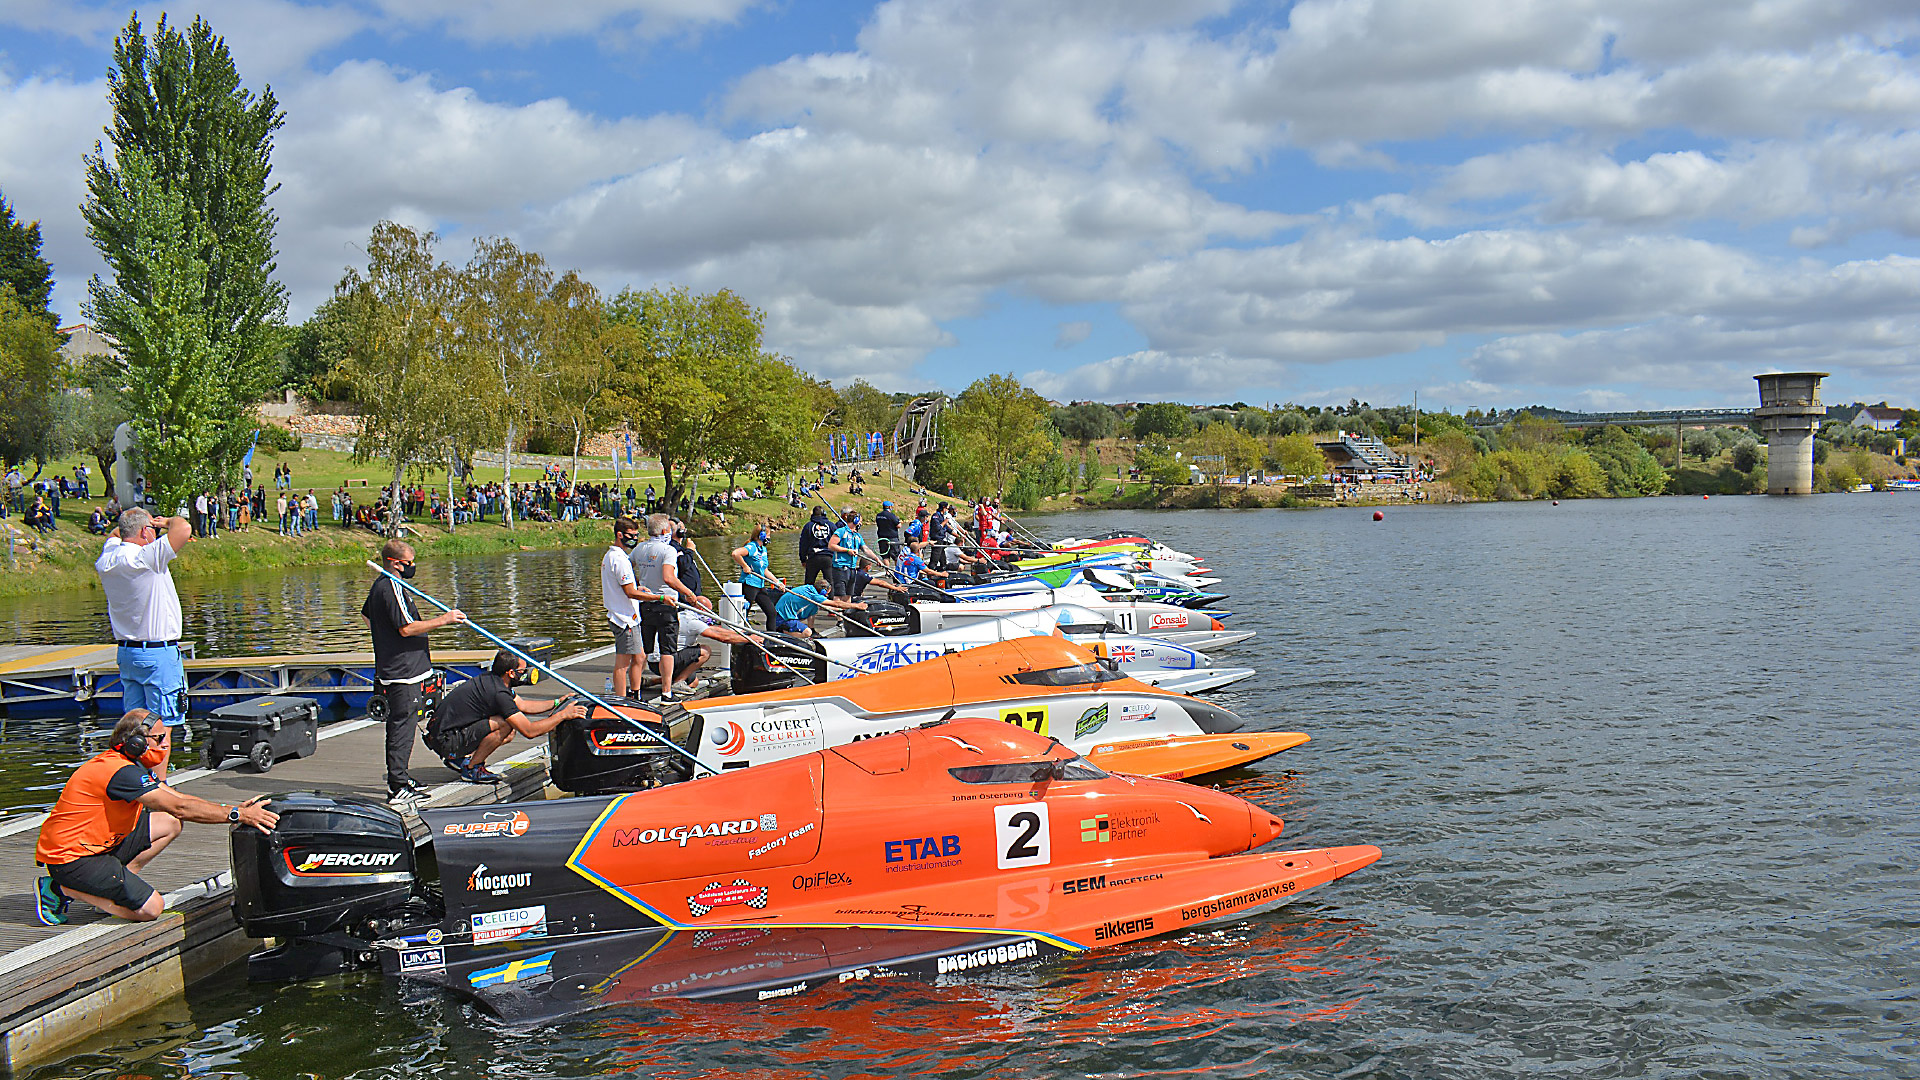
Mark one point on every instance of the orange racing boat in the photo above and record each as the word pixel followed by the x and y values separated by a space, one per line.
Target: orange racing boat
pixel 934 850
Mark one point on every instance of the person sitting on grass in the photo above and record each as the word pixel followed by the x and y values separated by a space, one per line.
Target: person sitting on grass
pixel 98 523
pixel 482 714
pixel 40 517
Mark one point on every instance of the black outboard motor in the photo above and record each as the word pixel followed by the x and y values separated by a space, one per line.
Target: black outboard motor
pixel 753 673
pixel 601 753
pixel 336 873
pixel 883 618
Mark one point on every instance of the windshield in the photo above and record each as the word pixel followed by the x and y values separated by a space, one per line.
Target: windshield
pixel 1030 772
pixel 1074 675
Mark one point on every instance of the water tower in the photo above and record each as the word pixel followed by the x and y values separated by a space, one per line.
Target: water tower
pixel 1790 413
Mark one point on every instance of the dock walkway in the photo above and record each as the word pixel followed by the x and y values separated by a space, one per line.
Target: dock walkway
pixel 61 984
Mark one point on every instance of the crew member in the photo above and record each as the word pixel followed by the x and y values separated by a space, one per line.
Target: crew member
pixel 143 610
pixel 655 570
pixel 692 652
pixel 758 585
pixel 622 596
pixel 886 528
pixel 799 605
pixel 845 545
pixel 686 560
pixel 113 816
pixel 401 662
pixel 814 555
pixel 480 715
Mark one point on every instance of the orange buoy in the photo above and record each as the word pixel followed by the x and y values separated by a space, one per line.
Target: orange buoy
pixel 1378 516
pixel 1706 496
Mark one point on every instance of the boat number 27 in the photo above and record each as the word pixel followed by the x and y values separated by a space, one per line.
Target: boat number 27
pixel 1020 835
pixel 1034 720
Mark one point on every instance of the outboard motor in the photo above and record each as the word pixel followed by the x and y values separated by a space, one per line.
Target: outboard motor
pixel 336 873
pixel 883 618
pixel 602 753
pixel 753 673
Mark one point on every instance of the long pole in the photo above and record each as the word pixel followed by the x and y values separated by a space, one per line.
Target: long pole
pixel 543 668
pixel 747 629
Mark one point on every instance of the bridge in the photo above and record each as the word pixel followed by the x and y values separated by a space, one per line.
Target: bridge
pixel 1650 418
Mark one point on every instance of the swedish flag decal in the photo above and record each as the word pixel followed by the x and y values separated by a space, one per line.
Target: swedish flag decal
pixel 524 968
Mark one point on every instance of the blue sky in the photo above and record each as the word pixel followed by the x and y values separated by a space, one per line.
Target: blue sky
pixel 1583 204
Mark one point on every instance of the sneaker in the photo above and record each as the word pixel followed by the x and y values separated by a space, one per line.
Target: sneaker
pixel 480 774
pixel 411 797
pixel 49 903
pixel 454 763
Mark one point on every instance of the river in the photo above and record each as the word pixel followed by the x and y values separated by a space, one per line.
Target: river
pixel 1643 772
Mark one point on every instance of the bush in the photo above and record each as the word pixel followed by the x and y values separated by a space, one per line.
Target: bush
pixel 279 439
pixel 1747 456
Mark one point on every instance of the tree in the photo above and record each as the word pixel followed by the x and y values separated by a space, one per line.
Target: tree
pixel 1297 455
pixel 504 319
pixel 313 351
pixel 1631 470
pixel 1701 444
pixel 1085 422
pixel 1005 423
pixel 659 384
pixel 403 358
pixel 765 423
pixel 1578 476
pixel 92 409
pixel 30 370
pixel 1239 452
pixel 21 267
pixel 1748 456
pixel 1167 419
pixel 577 328
pixel 864 409
pixel 1158 465
pixel 179 212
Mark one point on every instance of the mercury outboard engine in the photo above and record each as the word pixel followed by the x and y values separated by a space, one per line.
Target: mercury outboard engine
pixel 883 618
pixel 754 673
pixel 337 872
pixel 602 753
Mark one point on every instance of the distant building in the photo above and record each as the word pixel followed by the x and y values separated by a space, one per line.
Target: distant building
pixel 1881 417
pixel 84 341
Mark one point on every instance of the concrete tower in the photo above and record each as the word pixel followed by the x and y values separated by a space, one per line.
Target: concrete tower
pixel 1790 413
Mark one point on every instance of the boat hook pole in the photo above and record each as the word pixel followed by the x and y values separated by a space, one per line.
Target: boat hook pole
pixel 543 668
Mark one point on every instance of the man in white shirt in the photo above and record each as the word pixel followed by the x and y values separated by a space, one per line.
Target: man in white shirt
pixel 144 611
pixel 621 596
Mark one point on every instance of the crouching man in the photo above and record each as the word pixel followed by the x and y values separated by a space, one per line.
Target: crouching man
pixel 113 817
pixel 480 715
pixel 693 653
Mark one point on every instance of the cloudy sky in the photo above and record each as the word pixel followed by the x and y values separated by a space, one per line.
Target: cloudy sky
pixel 1587 204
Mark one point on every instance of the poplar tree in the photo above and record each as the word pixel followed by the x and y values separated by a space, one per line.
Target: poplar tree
pixel 21 267
pixel 179 211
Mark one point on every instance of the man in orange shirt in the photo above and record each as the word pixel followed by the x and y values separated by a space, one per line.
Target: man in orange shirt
pixel 113 817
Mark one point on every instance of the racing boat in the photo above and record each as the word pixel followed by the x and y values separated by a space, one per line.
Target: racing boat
pixel 940 850
pixel 1103 579
pixel 1045 684
pixel 1152 661
pixel 1096 612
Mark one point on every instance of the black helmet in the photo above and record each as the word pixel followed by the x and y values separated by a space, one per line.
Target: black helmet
pixel 819 512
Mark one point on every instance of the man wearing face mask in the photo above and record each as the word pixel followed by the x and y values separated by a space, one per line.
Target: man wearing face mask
pixel 480 715
pixel 113 817
pixel 401 662
pixel 622 596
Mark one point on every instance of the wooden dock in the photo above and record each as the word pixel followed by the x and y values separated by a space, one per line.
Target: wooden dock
pixel 62 984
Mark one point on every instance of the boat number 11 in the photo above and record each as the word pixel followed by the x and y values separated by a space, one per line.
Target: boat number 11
pixel 1020 835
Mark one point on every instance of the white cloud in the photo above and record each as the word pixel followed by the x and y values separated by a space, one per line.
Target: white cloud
pixel 45 127
pixel 1072 333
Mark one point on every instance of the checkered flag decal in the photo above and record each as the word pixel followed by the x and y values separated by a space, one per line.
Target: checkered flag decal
pixel 758 900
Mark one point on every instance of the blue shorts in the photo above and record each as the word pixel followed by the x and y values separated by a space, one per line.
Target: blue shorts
pixel 792 626
pixel 154 680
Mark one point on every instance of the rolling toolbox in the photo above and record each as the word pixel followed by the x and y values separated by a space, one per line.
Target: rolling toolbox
pixel 263 730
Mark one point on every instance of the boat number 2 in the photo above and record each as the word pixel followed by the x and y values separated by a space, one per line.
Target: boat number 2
pixel 1034 720
pixel 1020 835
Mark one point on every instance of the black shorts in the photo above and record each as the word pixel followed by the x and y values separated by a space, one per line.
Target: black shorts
pixel 659 626
pixel 841 580
pixel 682 659
pixel 106 875
pixel 462 741
pixel 887 545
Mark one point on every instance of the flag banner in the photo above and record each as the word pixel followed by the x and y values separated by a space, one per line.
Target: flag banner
pixel 248 460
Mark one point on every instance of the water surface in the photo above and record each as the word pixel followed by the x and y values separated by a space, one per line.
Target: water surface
pixel 1643 771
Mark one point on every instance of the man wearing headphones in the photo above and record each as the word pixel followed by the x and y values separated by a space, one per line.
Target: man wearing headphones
pixel 480 715
pixel 113 817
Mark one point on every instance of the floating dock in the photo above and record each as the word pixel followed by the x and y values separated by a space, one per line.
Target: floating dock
pixel 70 680
pixel 60 985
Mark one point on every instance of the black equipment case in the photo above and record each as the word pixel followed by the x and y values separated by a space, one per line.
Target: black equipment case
pixel 263 730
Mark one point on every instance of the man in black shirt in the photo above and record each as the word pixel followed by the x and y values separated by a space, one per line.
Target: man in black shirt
pixel 401 663
pixel 813 545
pixel 480 715
pixel 886 526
